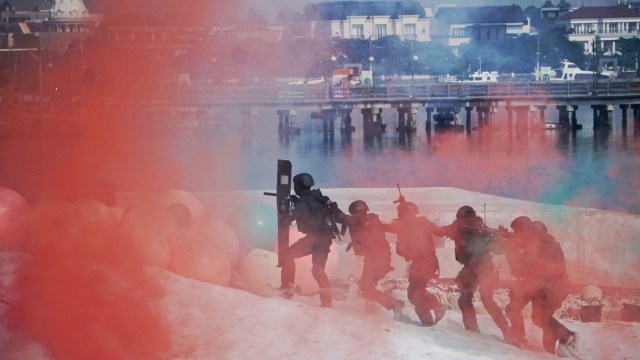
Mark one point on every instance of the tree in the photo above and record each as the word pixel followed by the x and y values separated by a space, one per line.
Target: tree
pixel 629 54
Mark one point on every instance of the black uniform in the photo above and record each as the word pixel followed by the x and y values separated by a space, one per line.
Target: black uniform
pixel 311 215
pixel 415 244
pixel 473 251
pixel 368 240
pixel 543 281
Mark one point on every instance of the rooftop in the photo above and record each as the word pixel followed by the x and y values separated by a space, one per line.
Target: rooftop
pixel 340 10
pixel 601 12
pixel 482 14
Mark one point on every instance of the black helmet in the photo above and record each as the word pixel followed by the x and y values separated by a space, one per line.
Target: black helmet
pixel 407 209
pixel 539 227
pixel 465 211
pixel 358 207
pixel 520 223
pixel 303 179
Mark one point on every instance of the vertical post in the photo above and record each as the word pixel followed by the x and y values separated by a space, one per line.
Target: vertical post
pixel 624 108
pixel 541 110
pixel 467 124
pixel 427 123
pixel 401 120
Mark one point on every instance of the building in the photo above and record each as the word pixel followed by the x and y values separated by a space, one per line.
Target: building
pixel 454 26
pixel 602 24
pixel 551 12
pixel 367 20
pixel 56 23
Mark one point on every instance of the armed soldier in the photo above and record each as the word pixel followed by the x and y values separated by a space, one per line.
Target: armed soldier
pixel 312 213
pixel 368 240
pixel 542 280
pixel 415 244
pixel 473 247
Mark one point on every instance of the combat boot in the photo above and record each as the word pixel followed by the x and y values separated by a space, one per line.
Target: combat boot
pixel 286 291
pixel 439 312
pixel 325 297
pixel 398 306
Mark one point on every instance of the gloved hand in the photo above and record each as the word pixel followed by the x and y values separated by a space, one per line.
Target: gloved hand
pixel 333 207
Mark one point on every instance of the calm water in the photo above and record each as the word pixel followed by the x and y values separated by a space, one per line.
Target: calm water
pixel 600 169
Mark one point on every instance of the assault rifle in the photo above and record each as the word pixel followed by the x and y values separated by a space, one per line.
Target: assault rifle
pixel 333 226
pixel 401 199
pixel 499 237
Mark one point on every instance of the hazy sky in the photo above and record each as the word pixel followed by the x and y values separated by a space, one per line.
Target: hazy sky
pixel 270 7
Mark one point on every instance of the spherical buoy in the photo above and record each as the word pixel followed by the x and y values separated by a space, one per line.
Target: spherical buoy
pixel 14 219
pixel 256 225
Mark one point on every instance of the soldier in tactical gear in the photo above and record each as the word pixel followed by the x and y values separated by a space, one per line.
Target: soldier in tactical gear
pixel 415 244
pixel 311 212
pixel 368 240
pixel 473 250
pixel 542 280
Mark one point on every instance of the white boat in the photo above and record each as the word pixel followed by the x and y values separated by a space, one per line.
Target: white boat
pixel 483 76
pixel 569 71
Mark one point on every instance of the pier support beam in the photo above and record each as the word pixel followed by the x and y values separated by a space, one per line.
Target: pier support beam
pixel 510 119
pixel 283 120
pixel 402 123
pixel 571 115
pixel 563 116
pixel 367 120
pixel 427 123
pixel 522 119
pixel 467 124
pixel 346 124
pixel 609 117
pixel 541 117
pixel 624 108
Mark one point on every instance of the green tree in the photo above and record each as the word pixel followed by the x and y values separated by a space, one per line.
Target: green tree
pixel 629 54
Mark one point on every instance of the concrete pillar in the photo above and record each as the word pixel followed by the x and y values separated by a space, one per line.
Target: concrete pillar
pixel 427 123
pixel 412 118
pixel 624 108
pixel 402 125
pixel 480 110
pixel 522 119
pixel 571 115
pixel 467 124
pixel 283 121
pixel 367 120
pixel 346 121
pixel 596 116
pixel 541 110
pixel 378 125
pixel 563 116
pixel 609 117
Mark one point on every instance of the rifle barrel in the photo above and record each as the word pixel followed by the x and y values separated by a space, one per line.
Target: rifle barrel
pixel 269 193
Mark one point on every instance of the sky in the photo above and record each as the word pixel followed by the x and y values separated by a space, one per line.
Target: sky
pixel 269 8
pixel 55 304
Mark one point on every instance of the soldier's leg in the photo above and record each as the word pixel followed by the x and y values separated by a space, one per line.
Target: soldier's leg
pixel 518 299
pixel 298 249
pixel 319 256
pixel 467 282
pixel 487 283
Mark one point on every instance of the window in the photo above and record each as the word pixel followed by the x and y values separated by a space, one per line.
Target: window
pixel 381 30
pixel 357 31
pixel 410 31
pixel 459 32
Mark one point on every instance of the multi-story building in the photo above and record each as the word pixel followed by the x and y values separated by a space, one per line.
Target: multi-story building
pixel 602 24
pixel 367 20
pixel 454 26
pixel 56 23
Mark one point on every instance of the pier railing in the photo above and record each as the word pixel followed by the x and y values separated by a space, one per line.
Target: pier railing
pixel 425 92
